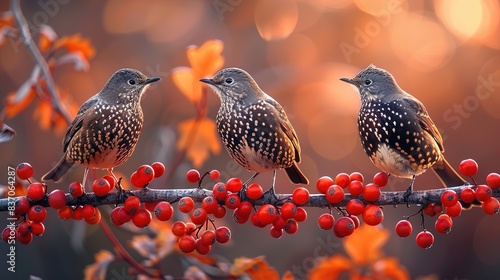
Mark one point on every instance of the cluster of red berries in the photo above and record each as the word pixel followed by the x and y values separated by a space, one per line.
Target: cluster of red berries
pixel 451 205
pixel 333 189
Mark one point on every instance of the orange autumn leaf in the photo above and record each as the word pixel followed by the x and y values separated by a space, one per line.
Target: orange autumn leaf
pixel 330 268
pixel 207 58
pixel 75 43
pixel 98 269
pixel 256 268
pixel 14 107
pixel 188 83
pixel 389 268
pixel 48 118
pixel 288 276
pixel 6 19
pixel 199 137
pixel 364 245
pixel 47 37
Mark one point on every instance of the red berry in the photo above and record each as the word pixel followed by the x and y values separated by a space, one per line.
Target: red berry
pixel 111 180
pixel 192 176
pixel 443 224
pixel 424 239
pixel 24 227
pixel 493 181
pixel 222 234
pixel 371 192
pixel 334 194
pixel 186 204
pixel 300 195
pixel 76 189
pixel 438 208
pixel 65 213
pixel 214 174
pixel 403 228
pixel 132 204
pixel 240 218
pixel 219 191
pixel 199 216
pixel 355 220
pixel 159 169
pixel 24 239
pixel 483 192
pixel 120 216
pixel 150 206
pixel 326 221
pixel 220 212
pixel 381 179
pixel 94 219
pixel 210 204
pixel 145 174
pixel 355 187
pixel 468 167
pixel 301 215
pixel 280 222
pixel 22 205
pixel 267 214
pixel 101 187
pixel 323 183
pixel 78 213
pixel 37 229
pixel 141 218
pixel 356 176
pixel 37 213
pixel 36 191
pixel 291 227
pixel 449 198
pixel 288 210
pixel 208 237
pixel 343 227
pixel 254 191
pixel 257 221
pixel 373 215
pixel 201 248
pixel 491 206
pixel 187 244
pixel 276 232
pixel 24 171
pixel 245 208
pixel 355 207
pixel 232 201
pixel 190 228
pixel 343 180
pixel 164 211
pixel 135 181
pixel 179 229
pixel 429 210
pixel 8 234
pixel 88 211
pixel 234 185
pixel 467 195
pixel 455 210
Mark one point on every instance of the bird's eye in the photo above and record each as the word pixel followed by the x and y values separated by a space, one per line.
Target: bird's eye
pixel 368 82
pixel 229 81
pixel 131 82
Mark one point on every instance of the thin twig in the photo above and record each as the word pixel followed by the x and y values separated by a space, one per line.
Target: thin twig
pixel 37 56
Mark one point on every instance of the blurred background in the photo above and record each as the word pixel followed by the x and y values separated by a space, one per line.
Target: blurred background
pixel 446 53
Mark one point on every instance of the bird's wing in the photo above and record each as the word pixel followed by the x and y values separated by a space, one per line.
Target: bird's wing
pixel 286 126
pixel 425 121
pixel 77 123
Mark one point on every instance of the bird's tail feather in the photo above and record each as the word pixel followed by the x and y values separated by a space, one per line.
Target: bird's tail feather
pixel 58 171
pixel 296 175
pixel 447 175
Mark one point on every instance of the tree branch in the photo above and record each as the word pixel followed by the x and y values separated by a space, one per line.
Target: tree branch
pixel 315 200
pixel 40 61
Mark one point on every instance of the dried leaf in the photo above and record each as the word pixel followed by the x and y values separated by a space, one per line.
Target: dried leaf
pixel 98 269
pixel 364 245
pixel 15 105
pixel 49 118
pixel 6 24
pixel 389 268
pixel 194 273
pixel 330 268
pixel 288 275
pixel 144 245
pixel 81 63
pixel 187 82
pixel 207 58
pixel 7 133
pixel 155 249
pixel 47 37
pixel 199 138
pixel 256 268
pixel 75 43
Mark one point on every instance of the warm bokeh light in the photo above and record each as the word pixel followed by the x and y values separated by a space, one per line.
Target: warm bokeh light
pixel 375 7
pixel 276 19
pixel 297 50
pixel 420 42
pixel 488 89
pixel 464 18
pixel 327 5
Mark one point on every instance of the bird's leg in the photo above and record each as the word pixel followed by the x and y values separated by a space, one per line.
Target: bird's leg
pixel 85 174
pixel 250 179
pixel 409 191
pixel 271 190
pixel 110 172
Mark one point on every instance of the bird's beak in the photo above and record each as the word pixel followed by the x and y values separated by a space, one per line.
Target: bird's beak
pixel 152 80
pixel 348 80
pixel 207 81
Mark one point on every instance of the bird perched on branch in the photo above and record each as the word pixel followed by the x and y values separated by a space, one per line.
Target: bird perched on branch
pixel 396 131
pixel 254 127
pixel 107 126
